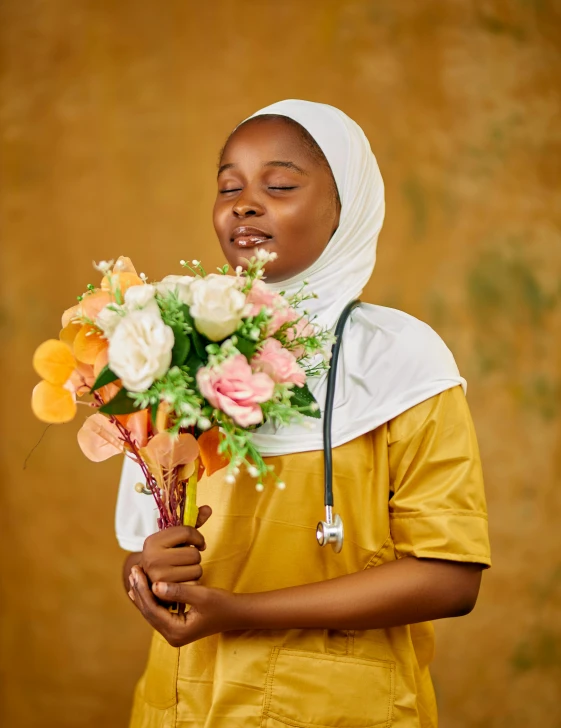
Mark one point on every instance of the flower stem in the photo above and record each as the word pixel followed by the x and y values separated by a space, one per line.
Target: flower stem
pixel 191 512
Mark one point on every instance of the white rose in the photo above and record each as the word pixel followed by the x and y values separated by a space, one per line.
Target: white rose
pixel 140 349
pixel 139 296
pixel 217 306
pixel 180 285
pixel 109 318
pixel 136 297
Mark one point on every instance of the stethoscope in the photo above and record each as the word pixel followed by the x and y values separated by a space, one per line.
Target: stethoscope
pixel 331 530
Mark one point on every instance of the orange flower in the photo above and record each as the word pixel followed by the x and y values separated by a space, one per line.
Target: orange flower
pixel 92 303
pixel 122 278
pixel 120 281
pixel 68 367
pixel 69 315
pixel 69 333
pixel 88 344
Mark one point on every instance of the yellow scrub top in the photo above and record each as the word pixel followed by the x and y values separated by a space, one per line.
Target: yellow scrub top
pixel 412 487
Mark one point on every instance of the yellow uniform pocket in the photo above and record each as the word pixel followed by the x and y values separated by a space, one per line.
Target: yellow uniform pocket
pixel 328 691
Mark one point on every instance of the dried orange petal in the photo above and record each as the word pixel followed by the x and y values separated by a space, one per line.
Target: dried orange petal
pixel 165 451
pixel 211 459
pixel 137 424
pixel 53 361
pixel 99 439
pixel 52 403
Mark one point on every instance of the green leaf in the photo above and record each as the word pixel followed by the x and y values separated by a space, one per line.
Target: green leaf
pixel 246 347
pixel 181 346
pixel 302 397
pixel 121 404
pixel 199 342
pixel 105 376
pixel 194 362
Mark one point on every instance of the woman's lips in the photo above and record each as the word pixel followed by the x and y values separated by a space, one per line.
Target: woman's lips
pixel 249 241
pixel 247 237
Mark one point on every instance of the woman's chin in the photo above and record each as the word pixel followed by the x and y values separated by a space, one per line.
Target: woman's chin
pixel 275 272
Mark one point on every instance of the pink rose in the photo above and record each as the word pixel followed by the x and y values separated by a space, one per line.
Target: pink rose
pixel 236 390
pixel 260 297
pixel 278 363
pixel 301 328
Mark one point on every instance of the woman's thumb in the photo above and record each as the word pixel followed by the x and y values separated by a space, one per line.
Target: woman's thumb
pixel 183 593
pixel 205 513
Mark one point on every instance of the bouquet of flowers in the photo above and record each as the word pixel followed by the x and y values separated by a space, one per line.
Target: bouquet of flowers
pixel 180 372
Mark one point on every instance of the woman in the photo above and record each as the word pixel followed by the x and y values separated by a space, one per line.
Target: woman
pixel 281 632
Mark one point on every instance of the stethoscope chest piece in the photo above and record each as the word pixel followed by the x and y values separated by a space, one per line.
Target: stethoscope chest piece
pixel 331 530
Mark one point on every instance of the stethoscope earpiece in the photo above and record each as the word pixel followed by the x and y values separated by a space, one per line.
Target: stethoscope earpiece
pixel 331 530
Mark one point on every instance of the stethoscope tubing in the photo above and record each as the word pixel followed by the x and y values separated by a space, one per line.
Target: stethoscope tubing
pixel 329 399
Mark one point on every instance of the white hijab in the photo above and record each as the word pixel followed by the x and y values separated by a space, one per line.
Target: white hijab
pixel 389 361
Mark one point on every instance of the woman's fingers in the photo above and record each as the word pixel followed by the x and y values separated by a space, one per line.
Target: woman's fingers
pixel 205 512
pixel 184 573
pixel 157 615
pixel 182 556
pixel 177 629
pixel 181 564
pixel 176 536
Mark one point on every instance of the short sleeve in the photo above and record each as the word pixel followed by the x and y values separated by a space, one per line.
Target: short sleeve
pixel 136 516
pixel 437 500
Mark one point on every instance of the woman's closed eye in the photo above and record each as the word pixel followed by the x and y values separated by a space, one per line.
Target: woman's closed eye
pixel 276 187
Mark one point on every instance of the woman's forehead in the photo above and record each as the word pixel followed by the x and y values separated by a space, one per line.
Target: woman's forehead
pixel 271 139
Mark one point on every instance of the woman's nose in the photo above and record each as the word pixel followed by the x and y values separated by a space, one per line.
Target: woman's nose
pixel 246 208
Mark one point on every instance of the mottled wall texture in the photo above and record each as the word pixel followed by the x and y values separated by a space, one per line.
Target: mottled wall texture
pixel 111 117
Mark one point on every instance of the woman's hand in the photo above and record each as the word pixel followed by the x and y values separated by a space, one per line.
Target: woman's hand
pixel 173 555
pixel 212 610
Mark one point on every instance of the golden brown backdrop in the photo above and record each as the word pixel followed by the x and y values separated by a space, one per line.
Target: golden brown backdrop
pixel 112 114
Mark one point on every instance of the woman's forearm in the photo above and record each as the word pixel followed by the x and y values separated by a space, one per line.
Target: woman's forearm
pixel 401 592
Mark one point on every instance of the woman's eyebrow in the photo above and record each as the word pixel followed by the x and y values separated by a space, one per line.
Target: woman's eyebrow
pixel 286 165
pixel 274 163
pixel 224 167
